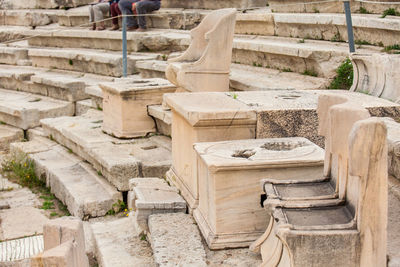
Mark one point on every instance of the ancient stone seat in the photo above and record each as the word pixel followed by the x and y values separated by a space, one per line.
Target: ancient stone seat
pixel 377 75
pixel 336 117
pixel 205 65
pixel 349 234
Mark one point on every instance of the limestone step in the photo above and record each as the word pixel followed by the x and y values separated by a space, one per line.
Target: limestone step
pixel 84 60
pixel 24 110
pixel 368 28
pixel 247 78
pixel 116 243
pixel 13 55
pixel 152 196
pixel 31 17
pixel 117 160
pixel 62 85
pixel 209 4
pixel 301 6
pixel 165 18
pixel 289 54
pixel 72 181
pixel 176 240
pixel 9 134
pixel 42 4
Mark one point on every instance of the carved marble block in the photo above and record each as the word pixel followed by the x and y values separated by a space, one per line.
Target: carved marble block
pixel 205 65
pixel 351 233
pixel 202 117
pixel 64 244
pixel 377 75
pixel 152 196
pixel 230 213
pixel 125 106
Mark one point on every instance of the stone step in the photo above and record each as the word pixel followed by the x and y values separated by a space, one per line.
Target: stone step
pixel 62 85
pixel 301 6
pixel 289 54
pixel 116 243
pixel 368 28
pixel 247 78
pixel 24 110
pixel 209 4
pixel 84 60
pixel 13 55
pixel 72 181
pixel 42 4
pixel 165 18
pixel 117 160
pixel 152 196
pixel 176 240
pixel 31 17
pixel 8 135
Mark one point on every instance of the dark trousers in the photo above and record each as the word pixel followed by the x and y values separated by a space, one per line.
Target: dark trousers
pixel 115 12
pixel 142 8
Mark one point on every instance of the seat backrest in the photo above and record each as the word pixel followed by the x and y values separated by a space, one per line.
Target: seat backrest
pixel 336 117
pixel 215 31
pixel 367 189
pixel 342 118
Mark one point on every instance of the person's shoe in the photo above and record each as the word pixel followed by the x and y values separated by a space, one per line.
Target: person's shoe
pixel 101 28
pixel 115 27
pixel 141 30
pixel 131 29
pixel 93 26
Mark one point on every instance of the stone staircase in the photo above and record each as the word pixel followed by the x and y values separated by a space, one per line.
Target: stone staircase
pixel 54 75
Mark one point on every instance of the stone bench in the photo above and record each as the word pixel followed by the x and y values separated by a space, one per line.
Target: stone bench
pixel 351 233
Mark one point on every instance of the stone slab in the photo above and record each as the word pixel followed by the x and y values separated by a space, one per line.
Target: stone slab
pixel 247 78
pixel 82 106
pixel 206 4
pixel 19 249
pixel 117 244
pixel 13 55
pixel 9 134
pixel 25 110
pixel 284 53
pixel 393 226
pixel 117 160
pixel 175 240
pixel 72 181
pixel 29 17
pixel 85 60
pixel 152 196
pixel 41 4
pixel 14 226
pixel 293 113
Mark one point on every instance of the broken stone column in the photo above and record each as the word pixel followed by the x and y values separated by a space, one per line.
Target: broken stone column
pixel 64 244
pixel 125 106
pixel 351 233
pixel 205 65
pixel 230 212
pixel 377 75
pixel 203 117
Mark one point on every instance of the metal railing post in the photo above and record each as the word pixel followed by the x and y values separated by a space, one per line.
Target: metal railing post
pixel 349 26
pixel 124 49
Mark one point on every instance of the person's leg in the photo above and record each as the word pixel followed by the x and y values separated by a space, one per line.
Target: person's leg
pixel 126 9
pixel 114 13
pixel 91 17
pixel 144 7
pixel 100 10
